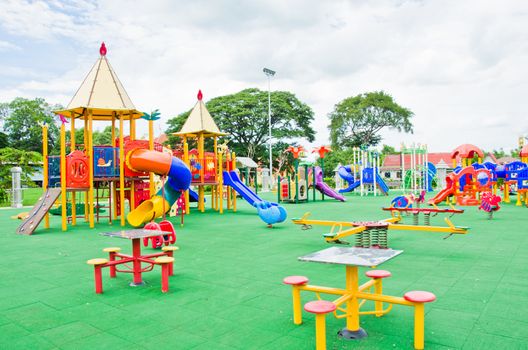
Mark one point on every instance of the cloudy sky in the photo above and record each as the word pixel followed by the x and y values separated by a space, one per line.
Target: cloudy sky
pixel 461 66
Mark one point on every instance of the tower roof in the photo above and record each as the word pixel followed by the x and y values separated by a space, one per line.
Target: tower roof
pixel 200 121
pixel 102 93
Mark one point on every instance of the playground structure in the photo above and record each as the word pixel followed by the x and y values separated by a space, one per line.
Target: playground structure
pixel 363 173
pixel 217 168
pixel 466 184
pixel 109 174
pixel 418 173
pixel 370 234
pixel 294 188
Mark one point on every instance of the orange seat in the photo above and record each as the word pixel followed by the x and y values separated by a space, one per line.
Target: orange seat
pixel 378 274
pixel 418 296
pixel 320 307
pixel 295 280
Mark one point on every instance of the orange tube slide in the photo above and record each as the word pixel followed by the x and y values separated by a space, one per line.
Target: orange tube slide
pixel 146 160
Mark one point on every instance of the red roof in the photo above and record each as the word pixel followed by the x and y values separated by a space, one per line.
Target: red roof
pixel 394 160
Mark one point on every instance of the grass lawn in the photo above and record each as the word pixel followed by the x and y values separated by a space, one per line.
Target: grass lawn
pixel 30 197
pixel 227 291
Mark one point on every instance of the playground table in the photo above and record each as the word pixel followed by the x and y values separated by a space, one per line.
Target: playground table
pixel 136 235
pixel 352 258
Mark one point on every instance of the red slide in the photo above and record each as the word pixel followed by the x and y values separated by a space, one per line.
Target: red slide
pixel 447 191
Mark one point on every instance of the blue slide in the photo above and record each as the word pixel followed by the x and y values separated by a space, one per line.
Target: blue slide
pixel 270 213
pixel 381 184
pixel 346 174
pixel 431 175
pixel 193 196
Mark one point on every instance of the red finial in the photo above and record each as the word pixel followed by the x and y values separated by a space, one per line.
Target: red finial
pixel 200 95
pixel 102 49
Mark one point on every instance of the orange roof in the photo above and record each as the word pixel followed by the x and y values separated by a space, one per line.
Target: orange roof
pixel 467 151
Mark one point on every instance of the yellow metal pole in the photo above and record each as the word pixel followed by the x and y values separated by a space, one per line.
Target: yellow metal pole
pixel 90 170
pixel 419 326
pixel 85 141
pixel 113 183
pixel 132 183
pixel 220 184
pixel 297 311
pixel 121 170
pixel 113 128
pixel 72 148
pixel 186 161
pixel 152 187
pixel 320 332
pixel 228 193
pixel 352 319
pixel 201 156
pixel 45 167
pixel 72 132
pixel 63 177
pixel 214 202
pixel 132 122
pixel 506 192
pixel 378 289
pixel 233 166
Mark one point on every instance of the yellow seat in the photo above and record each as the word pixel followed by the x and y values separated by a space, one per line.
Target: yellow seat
pixel 97 261
pixel 169 248
pixel 164 260
pixel 112 250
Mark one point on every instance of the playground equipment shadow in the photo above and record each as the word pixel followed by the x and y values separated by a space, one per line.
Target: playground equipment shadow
pixel 226 292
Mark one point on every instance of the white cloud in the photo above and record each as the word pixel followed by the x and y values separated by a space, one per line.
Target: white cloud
pixel 7 46
pixel 460 66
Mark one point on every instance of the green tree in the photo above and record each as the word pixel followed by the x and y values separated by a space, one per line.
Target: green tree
pixel 4 140
pixel 22 123
pixel 99 138
pixel 11 157
pixel 334 158
pixel 357 120
pixel 244 116
pixel 498 153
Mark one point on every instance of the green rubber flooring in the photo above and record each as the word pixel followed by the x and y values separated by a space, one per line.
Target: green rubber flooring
pixel 227 291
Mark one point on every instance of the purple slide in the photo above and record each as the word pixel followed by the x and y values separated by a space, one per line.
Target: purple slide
pixel 324 188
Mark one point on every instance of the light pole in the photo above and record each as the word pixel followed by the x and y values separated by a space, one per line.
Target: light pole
pixel 269 73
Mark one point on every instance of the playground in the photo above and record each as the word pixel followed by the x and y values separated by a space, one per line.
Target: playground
pixel 227 291
pixel 137 245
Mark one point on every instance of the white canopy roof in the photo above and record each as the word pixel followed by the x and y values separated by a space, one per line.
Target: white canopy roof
pixel 200 121
pixel 102 93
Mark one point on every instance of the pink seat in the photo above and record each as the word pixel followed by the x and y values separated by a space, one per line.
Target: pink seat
pixel 418 296
pixel 295 280
pixel 320 307
pixel 378 273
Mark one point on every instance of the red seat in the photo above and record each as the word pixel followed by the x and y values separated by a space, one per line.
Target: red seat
pixel 418 296
pixel 320 307
pixel 378 273
pixel 295 280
